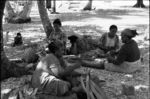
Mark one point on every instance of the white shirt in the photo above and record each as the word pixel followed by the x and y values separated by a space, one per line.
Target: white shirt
pixel 110 42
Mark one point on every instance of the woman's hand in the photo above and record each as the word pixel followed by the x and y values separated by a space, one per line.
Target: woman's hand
pixel 111 53
pixel 110 59
pixel 74 60
pixel 78 64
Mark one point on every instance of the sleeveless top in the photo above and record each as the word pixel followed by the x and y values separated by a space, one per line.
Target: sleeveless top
pixel 110 42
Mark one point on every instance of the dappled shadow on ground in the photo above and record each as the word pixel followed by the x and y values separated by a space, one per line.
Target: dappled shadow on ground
pixel 116 12
pixel 22 27
pixel 94 31
pixel 141 28
pixel 146 7
pixel 100 13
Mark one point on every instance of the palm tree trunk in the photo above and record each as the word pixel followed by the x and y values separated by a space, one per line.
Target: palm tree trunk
pixel 88 6
pixel 48 4
pixel 44 18
pixel 54 6
pixel 139 4
pixel 1 21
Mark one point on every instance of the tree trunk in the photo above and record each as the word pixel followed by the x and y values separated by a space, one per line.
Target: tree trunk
pixel 3 71
pixel 44 18
pixel 139 4
pixel 21 17
pixel 54 6
pixel 48 4
pixel 88 6
pixel 1 21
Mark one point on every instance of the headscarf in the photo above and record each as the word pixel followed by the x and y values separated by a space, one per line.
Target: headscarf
pixel 57 21
pixel 129 32
pixel 73 38
pixel 55 45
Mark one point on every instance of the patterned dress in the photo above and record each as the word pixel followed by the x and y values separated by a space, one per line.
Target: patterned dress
pixel 46 77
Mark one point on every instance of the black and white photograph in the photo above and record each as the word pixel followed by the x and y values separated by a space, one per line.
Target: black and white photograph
pixel 75 49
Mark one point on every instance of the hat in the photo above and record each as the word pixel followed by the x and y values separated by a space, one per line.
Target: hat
pixel 73 38
pixel 55 45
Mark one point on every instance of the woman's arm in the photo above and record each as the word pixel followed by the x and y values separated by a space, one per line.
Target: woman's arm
pixel 117 43
pixel 63 37
pixel 102 41
pixel 120 57
pixel 69 69
pixel 62 62
pixel 93 64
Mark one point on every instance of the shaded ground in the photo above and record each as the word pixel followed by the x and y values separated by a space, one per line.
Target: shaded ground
pixel 93 23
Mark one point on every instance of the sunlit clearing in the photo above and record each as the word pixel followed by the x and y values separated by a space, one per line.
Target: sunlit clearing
pixel 141 86
pixel 128 75
pixel 12 97
pixel 4 91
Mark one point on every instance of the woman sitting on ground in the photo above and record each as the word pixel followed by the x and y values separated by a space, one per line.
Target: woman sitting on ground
pixel 84 46
pixel 128 58
pixel 109 41
pixel 57 34
pixel 51 72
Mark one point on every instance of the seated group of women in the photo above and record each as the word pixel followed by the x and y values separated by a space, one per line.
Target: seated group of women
pixel 53 76
pixel 125 58
pixel 52 72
